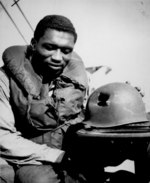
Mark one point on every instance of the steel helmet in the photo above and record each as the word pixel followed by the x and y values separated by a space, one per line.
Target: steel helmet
pixel 115 104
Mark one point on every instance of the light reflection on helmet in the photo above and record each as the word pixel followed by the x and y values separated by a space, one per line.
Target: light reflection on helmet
pixel 115 104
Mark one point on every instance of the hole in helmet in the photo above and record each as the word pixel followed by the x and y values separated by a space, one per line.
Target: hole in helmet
pixel 102 99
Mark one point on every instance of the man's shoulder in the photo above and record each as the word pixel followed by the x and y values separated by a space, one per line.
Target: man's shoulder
pixel 13 52
pixel 75 57
pixel 76 70
pixel 76 62
pixel 15 48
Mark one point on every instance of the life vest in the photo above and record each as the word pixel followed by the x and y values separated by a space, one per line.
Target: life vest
pixel 34 110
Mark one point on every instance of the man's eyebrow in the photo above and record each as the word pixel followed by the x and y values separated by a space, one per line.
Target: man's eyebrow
pixel 51 44
pixel 58 46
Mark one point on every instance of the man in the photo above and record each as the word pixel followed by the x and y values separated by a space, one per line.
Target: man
pixel 42 89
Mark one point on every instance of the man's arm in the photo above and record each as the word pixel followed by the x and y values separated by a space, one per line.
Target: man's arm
pixel 13 147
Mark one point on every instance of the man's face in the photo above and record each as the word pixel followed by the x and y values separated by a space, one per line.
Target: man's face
pixel 54 49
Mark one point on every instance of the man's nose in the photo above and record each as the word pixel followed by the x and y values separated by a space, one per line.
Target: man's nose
pixel 57 55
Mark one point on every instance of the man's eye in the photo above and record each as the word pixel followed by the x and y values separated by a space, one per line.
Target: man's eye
pixel 66 50
pixel 49 47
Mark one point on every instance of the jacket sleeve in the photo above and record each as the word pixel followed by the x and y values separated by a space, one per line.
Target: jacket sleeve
pixel 13 147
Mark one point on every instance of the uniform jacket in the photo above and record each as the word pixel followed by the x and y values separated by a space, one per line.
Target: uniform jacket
pixel 33 113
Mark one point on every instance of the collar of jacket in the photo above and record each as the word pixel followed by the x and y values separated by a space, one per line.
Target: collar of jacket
pixel 18 64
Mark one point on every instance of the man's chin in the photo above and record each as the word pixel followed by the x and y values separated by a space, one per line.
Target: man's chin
pixel 56 71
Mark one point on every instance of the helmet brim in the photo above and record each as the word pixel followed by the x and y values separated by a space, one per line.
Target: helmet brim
pixel 132 130
pixel 92 134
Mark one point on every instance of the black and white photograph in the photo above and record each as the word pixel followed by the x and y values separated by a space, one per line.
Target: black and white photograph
pixel 74 91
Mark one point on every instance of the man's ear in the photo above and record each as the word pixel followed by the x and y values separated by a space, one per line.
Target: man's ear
pixel 33 43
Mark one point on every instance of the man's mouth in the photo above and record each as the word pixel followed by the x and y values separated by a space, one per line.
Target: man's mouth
pixel 55 66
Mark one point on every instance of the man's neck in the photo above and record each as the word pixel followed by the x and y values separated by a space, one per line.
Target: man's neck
pixel 46 75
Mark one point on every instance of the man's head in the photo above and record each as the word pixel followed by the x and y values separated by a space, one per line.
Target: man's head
pixel 56 22
pixel 53 42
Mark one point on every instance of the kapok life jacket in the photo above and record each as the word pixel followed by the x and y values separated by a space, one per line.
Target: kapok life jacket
pixel 36 113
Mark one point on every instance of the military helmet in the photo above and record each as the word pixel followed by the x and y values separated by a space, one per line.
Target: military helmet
pixel 115 104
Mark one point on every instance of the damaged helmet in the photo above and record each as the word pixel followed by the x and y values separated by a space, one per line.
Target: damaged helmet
pixel 115 104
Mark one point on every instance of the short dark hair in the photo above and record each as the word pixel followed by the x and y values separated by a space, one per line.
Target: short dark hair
pixel 57 22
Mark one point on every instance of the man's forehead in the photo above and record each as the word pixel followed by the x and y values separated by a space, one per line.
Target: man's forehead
pixel 58 37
